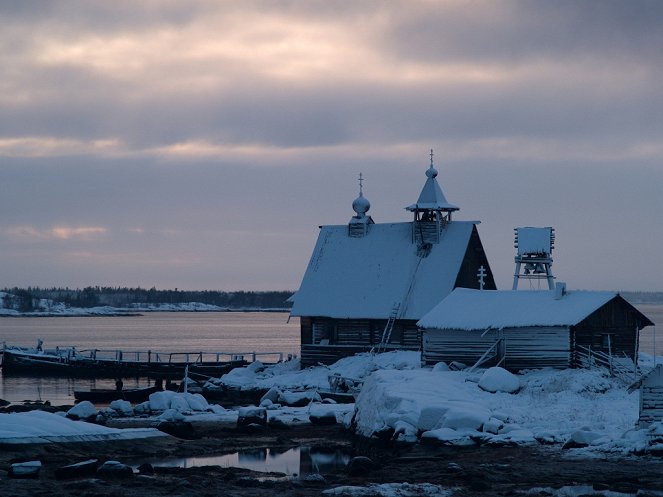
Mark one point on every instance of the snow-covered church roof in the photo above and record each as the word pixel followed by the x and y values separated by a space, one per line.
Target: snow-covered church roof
pixel 364 277
pixel 466 309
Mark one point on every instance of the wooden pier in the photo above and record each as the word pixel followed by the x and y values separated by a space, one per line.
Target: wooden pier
pixel 72 362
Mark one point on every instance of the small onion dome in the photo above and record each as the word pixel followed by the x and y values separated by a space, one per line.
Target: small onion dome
pixel 361 205
pixel 431 172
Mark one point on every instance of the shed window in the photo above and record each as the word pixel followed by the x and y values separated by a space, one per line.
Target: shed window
pixel 607 341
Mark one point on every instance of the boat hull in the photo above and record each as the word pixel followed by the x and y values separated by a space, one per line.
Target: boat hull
pixel 104 396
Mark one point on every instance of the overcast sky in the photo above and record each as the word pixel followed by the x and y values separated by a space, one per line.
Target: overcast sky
pixel 199 144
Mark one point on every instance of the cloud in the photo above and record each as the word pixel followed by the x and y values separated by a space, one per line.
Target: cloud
pixel 202 141
pixel 82 233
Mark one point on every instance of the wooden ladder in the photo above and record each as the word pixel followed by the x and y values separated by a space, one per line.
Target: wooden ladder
pixel 386 334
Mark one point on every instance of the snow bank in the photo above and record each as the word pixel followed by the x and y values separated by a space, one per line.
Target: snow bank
pixel 288 375
pixel 551 406
pixel 44 427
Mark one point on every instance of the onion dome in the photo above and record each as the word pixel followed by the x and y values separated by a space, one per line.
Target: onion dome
pixel 361 205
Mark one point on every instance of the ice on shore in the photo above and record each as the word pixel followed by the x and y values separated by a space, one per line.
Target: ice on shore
pixel 584 409
pixel 45 427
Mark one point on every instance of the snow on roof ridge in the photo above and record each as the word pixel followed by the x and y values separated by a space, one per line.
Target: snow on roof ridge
pixel 469 309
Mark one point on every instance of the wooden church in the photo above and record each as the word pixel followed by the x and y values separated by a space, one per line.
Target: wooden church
pixel 367 284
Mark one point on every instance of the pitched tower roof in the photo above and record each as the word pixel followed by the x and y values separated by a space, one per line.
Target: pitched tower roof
pixel 431 196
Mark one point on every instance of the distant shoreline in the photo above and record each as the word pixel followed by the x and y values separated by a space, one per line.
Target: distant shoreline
pixel 80 312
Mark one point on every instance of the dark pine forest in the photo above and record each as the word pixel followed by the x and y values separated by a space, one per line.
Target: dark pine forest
pixel 26 299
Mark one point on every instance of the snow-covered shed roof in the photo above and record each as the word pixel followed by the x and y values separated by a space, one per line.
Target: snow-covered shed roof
pixel 364 277
pixel 466 309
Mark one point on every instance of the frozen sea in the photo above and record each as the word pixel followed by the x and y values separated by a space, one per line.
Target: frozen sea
pixel 236 332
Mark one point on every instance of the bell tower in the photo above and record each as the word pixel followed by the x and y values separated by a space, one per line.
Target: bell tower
pixel 534 255
pixel 432 212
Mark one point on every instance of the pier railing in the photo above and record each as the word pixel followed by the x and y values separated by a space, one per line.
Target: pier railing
pixel 151 356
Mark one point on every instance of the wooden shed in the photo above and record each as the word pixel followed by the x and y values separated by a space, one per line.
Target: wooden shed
pixel 530 329
pixel 367 284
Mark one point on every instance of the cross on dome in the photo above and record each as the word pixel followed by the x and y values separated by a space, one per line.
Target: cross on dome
pixel 361 205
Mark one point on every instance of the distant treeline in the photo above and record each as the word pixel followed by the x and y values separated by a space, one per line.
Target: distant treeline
pixel 643 297
pixel 26 299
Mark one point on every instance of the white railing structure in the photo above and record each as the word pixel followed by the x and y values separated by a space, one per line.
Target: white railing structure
pixel 623 368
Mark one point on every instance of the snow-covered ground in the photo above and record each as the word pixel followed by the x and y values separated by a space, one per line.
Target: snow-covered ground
pixel 585 409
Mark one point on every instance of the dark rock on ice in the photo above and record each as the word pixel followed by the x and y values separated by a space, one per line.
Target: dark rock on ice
pixel 25 470
pixel 146 469
pixel 179 429
pixel 360 465
pixel 252 415
pixel 115 470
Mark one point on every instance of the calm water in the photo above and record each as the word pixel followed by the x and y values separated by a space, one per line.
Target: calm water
pixel 236 332
pixel 651 338
pixel 295 461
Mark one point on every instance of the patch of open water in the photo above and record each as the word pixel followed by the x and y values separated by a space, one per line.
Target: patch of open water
pixel 296 461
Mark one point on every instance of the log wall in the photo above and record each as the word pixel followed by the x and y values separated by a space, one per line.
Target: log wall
pixel 325 340
pixel 524 348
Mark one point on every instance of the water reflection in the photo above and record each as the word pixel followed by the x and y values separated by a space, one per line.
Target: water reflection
pixel 295 461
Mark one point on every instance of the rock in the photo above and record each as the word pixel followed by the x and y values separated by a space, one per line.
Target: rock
pixel 581 438
pixel 252 415
pixel 25 470
pixel 4 402
pixel 499 380
pixel 115 470
pixel 299 399
pixel 440 367
pixel 146 469
pixel 322 415
pixel 323 419
pixel 278 424
pixel 122 407
pixel 272 394
pixel 252 428
pixel 360 465
pixel 142 408
pixel 172 415
pixel 405 432
pixel 493 425
pixel 179 429
pixel 313 478
pixel 84 410
pixel 84 468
